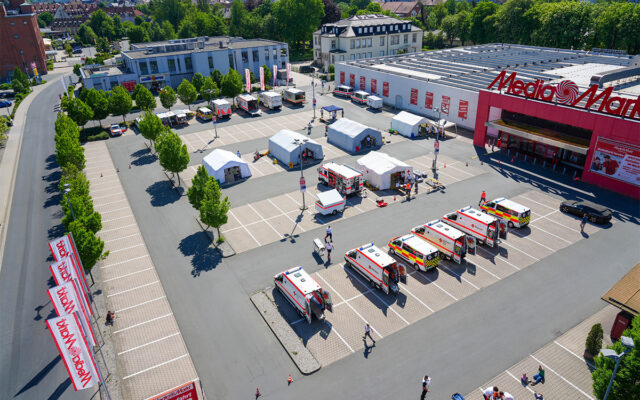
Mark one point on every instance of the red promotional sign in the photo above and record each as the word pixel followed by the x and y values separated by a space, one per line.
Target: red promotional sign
pixel 184 392
pixel 74 351
pixel 342 77
pixel 67 299
pixel 463 109
pixel 374 86
pixel 385 89
pixel 352 80
pixel 247 78
pixel 616 160
pixel 65 271
pixel 261 78
pixel 65 247
pixel 129 85
pixel 275 74
pixel 288 73
pixel 428 100
pixel 414 97
pixel 446 100
pixel 363 83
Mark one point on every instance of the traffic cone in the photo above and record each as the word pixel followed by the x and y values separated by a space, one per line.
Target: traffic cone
pixel 289 381
pixel 258 394
pixel 394 197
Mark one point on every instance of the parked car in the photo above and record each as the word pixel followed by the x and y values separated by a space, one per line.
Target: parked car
pixel 115 130
pixel 5 103
pixel 596 213
pixel 7 95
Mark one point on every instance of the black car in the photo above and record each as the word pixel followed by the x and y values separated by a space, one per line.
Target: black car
pixel 596 213
pixel 7 95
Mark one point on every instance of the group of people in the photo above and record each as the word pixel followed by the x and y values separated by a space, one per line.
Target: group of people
pixel 328 243
pixel 493 393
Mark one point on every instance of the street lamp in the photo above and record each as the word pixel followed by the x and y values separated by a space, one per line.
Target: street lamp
pixel 313 88
pixel 67 189
pixel 626 342
pixel 299 143
pixel 213 117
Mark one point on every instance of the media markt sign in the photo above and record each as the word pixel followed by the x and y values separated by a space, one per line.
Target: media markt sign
pixel 567 92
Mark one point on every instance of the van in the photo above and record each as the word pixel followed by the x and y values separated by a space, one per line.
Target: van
pixel 221 108
pixel 377 267
pixel 359 97
pixel 271 100
pixel 516 215
pixel 415 251
pixel 204 114
pixel 304 293
pixel 449 241
pixel 343 91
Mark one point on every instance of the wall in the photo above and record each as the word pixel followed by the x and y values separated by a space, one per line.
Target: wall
pixel 610 127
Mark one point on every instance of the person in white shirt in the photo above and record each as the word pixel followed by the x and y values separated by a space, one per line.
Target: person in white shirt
pixel 328 246
pixel 506 396
pixel 489 392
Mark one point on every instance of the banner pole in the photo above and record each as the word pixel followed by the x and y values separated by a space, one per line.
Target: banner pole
pixel 106 391
pixel 98 328
pixel 75 252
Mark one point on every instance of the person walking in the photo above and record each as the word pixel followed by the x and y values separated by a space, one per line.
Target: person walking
pixel 367 332
pixel 583 223
pixel 328 246
pixel 239 154
pixel 329 234
pixel 483 198
pixel 539 377
pixel 309 128
pixel 425 387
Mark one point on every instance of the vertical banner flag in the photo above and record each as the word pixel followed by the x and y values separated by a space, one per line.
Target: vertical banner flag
pixel 261 78
pixel 74 351
pixel 66 300
pixel 363 83
pixel 64 271
pixel 64 247
pixel 288 73
pixel 463 109
pixel 414 97
pixel 184 392
pixel 374 86
pixel 385 89
pixel 446 100
pixel 352 80
pixel 247 78
pixel 342 77
pixel 428 100
pixel 275 74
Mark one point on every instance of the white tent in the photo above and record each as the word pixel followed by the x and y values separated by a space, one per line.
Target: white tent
pixel 407 124
pixel 282 146
pixel 352 136
pixel 383 171
pixel 225 166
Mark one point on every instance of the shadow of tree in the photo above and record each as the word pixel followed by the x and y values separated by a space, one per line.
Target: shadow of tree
pixel 204 257
pixel 143 157
pixel 55 231
pixel 162 193
pixel 52 201
pixel 52 162
pixel 53 179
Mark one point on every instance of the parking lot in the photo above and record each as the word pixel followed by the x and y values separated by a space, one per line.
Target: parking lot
pixel 355 303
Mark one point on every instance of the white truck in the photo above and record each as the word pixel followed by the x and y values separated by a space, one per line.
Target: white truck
pixel 374 102
pixel 294 96
pixel 380 269
pixel 330 202
pixel 343 178
pixel 473 222
pixel 451 243
pixel 271 100
pixel 304 293
pixel 221 108
pixel 249 104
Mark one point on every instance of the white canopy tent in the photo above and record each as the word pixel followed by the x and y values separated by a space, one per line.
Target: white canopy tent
pixel 226 166
pixel 383 171
pixel 352 136
pixel 282 146
pixel 407 124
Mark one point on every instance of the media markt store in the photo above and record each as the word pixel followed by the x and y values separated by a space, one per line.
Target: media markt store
pixel 593 135
pixel 154 82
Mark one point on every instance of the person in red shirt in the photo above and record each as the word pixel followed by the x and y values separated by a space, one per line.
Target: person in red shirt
pixel 610 165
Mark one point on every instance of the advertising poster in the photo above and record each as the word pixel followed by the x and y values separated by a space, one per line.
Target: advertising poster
pixel 446 101
pixel 363 83
pixel 184 392
pixel 64 247
pixel 374 86
pixel 261 78
pixel 352 80
pixel 247 78
pixel 385 89
pixel 463 109
pixel 616 160
pixel 66 300
pixel 414 97
pixel 342 77
pixel 64 271
pixel 428 101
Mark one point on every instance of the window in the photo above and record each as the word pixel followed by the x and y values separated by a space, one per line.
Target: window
pixel 353 43
pixel 369 55
pixel 377 29
pixel 382 41
pixel 357 43
pixel 172 65
pixel 187 63
pixel 245 57
pixel 231 63
pixel 256 56
pixel 266 54
pixel 275 54
pixel 154 66
pixel 283 51
pixel 369 42
pixel 358 56
pixel 144 68
pixel 333 59
pixel 341 58
pixel 24 21
pixel 382 53
pixel 359 30
pixel 352 57
pixel 406 38
pixel 210 62
pixel 415 38
pixel 333 45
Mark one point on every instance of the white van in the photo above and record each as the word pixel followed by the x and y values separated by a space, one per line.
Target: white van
pixel 343 91
pixel 330 202
pixel 359 97
pixel 415 251
pixel 377 267
pixel 271 100
pixel 304 293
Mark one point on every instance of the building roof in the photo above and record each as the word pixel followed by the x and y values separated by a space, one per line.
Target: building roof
pixel 348 27
pixel 400 7
pixel 194 45
pixel 626 293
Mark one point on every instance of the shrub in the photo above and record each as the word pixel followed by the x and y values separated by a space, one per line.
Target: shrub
pixel 100 136
pixel 5 86
pixel 332 68
pixel 93 133
pixel 594 340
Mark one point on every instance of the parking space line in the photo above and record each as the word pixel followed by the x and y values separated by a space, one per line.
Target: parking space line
pixel 563 225
pixel 126 261
pixel 142 323
pixel 458 275
pixel 102 189
pixel 122 237
pixel 348 305
pixel 487 271
pixel 264 220
pixel 537 202
pixel 149 343
pixel 439 170
pixel 499 258
pixel 115 219
pixel 562 377
pixel 405 289
pixel 517 249
pixel 543 216
pixel 333 328
pixel 460 169
pixel 156 366
pixel 114 210
pixel 434 283
pixel 553 234
pixel 299 320
pixel 589 363
pixel 126 275
pixel 534 241
pixel 111 202
pixel 108 195
pixel 352 298
pixel 518 380
pixel 286 215
pixel 141 304
pixel 241 224
pixel 115 229
pixel 132 289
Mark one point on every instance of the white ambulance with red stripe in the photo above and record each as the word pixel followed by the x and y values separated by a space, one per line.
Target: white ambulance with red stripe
pixel 343 91
pixel 304 293
pixel 451 243
pixel 343 178
pixel 473 222
pixel 380 269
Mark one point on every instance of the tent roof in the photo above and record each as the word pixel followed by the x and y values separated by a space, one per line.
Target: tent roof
pixel 219 158
pixel 329 197
pixel 332 108
pixel 284 138
pixel 626 293
pixel 408 118
pixel 349 127
pixel 381 163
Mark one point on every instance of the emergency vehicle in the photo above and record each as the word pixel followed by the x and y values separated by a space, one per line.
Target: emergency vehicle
pixel 249 104
pixel 376 266
pixel 343 91
pixel 344 179
pixel 271 100
pixel 222 108
pixel 483 227
pixel 294 96
pixel 204 114
pixel 304 293
pixel 422 255
pixel 451 243
pixel 514 214
pixel 359 97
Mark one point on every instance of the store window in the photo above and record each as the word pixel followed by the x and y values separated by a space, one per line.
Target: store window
pixel 144 68
pixel 275 54
pixel 256 56
pixel 369 55
pixel 187 63
pixel 341 58
pixel 172 65
pixel 231 63
pixel 154 66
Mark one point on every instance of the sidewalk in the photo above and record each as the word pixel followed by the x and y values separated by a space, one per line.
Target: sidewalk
pixel 568 373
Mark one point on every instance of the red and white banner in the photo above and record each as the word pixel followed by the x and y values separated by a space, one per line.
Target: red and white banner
pixel 463 109
pixel 385 89
pixel 428 100
pixel 64 246
pixel 352 80
pixel 363 83
pixel 184 392
pixel 73 349
pixel 374 86
pixel 414 97
pixel 616 160
pixel 64 271
pixel 342 77
pixel 288 73
pixel 247 78
pixel 67 299
pixel 446 101
pixel 275 75
pixel 261 78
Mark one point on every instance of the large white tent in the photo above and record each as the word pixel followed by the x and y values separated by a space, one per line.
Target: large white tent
pixel 407 124
pixel 282 146
pixel 225 166
pixel 352 136
pixel 383 171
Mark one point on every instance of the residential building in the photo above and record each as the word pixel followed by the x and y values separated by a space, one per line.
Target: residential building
pixel 364 36
pixel 164 63
pixel 403 9
pixel 21 44
pixel 84 10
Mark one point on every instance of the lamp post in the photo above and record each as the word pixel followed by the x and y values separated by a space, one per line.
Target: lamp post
pixel 313 88
pixel 213 117
pixel 302 186
pixel 626 342
pixel 67 189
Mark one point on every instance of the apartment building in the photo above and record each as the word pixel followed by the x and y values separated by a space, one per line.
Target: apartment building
pixel 364 36
pixel 21 44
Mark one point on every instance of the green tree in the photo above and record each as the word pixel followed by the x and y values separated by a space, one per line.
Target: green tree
pixel 238 16
pixel 151 127
pixel 169 31
pixel 593 344
pixel 79 199
pixel 209 89
pixel 118 29
pixel 79 111
pixel 298 19
pixel 187 93
pixel 213 209
pixel 267 75
pixel 20 81
pixel 144 99
pixel 626 385
pixel 167 97
pixel 231 84
pixel 102 24
pixel 102 45
pixel 564 24
pixel 68 148
pixel 173 154
pixel 120 102
pixel 68 49
pixel 99 104
pixel 195 193
pixel 46 17
pixel 197 81
pixel 450 5
pixel 86 35
pixel 173 11
pixel 629 32
pixel 481 32
pixel 89 246
pixel 450 27
pixel 332 12
pixel 217 77
pixel 511 24
pixel 137 34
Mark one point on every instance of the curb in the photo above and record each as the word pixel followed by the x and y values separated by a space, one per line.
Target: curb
pixel 224 248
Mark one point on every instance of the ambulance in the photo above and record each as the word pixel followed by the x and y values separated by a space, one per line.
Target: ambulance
pixel 415 251
pixel 294 96
pixel 359 97
pixel 451 243
pixel 249 104
pixel 483 227
pixel 376 266
pixel 204 114
pixel 222 108
pixel 343 91
pixel 304 293
pixel 343 178
pixel 514 214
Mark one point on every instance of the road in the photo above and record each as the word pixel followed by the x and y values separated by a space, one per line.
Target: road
pixel 30 367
